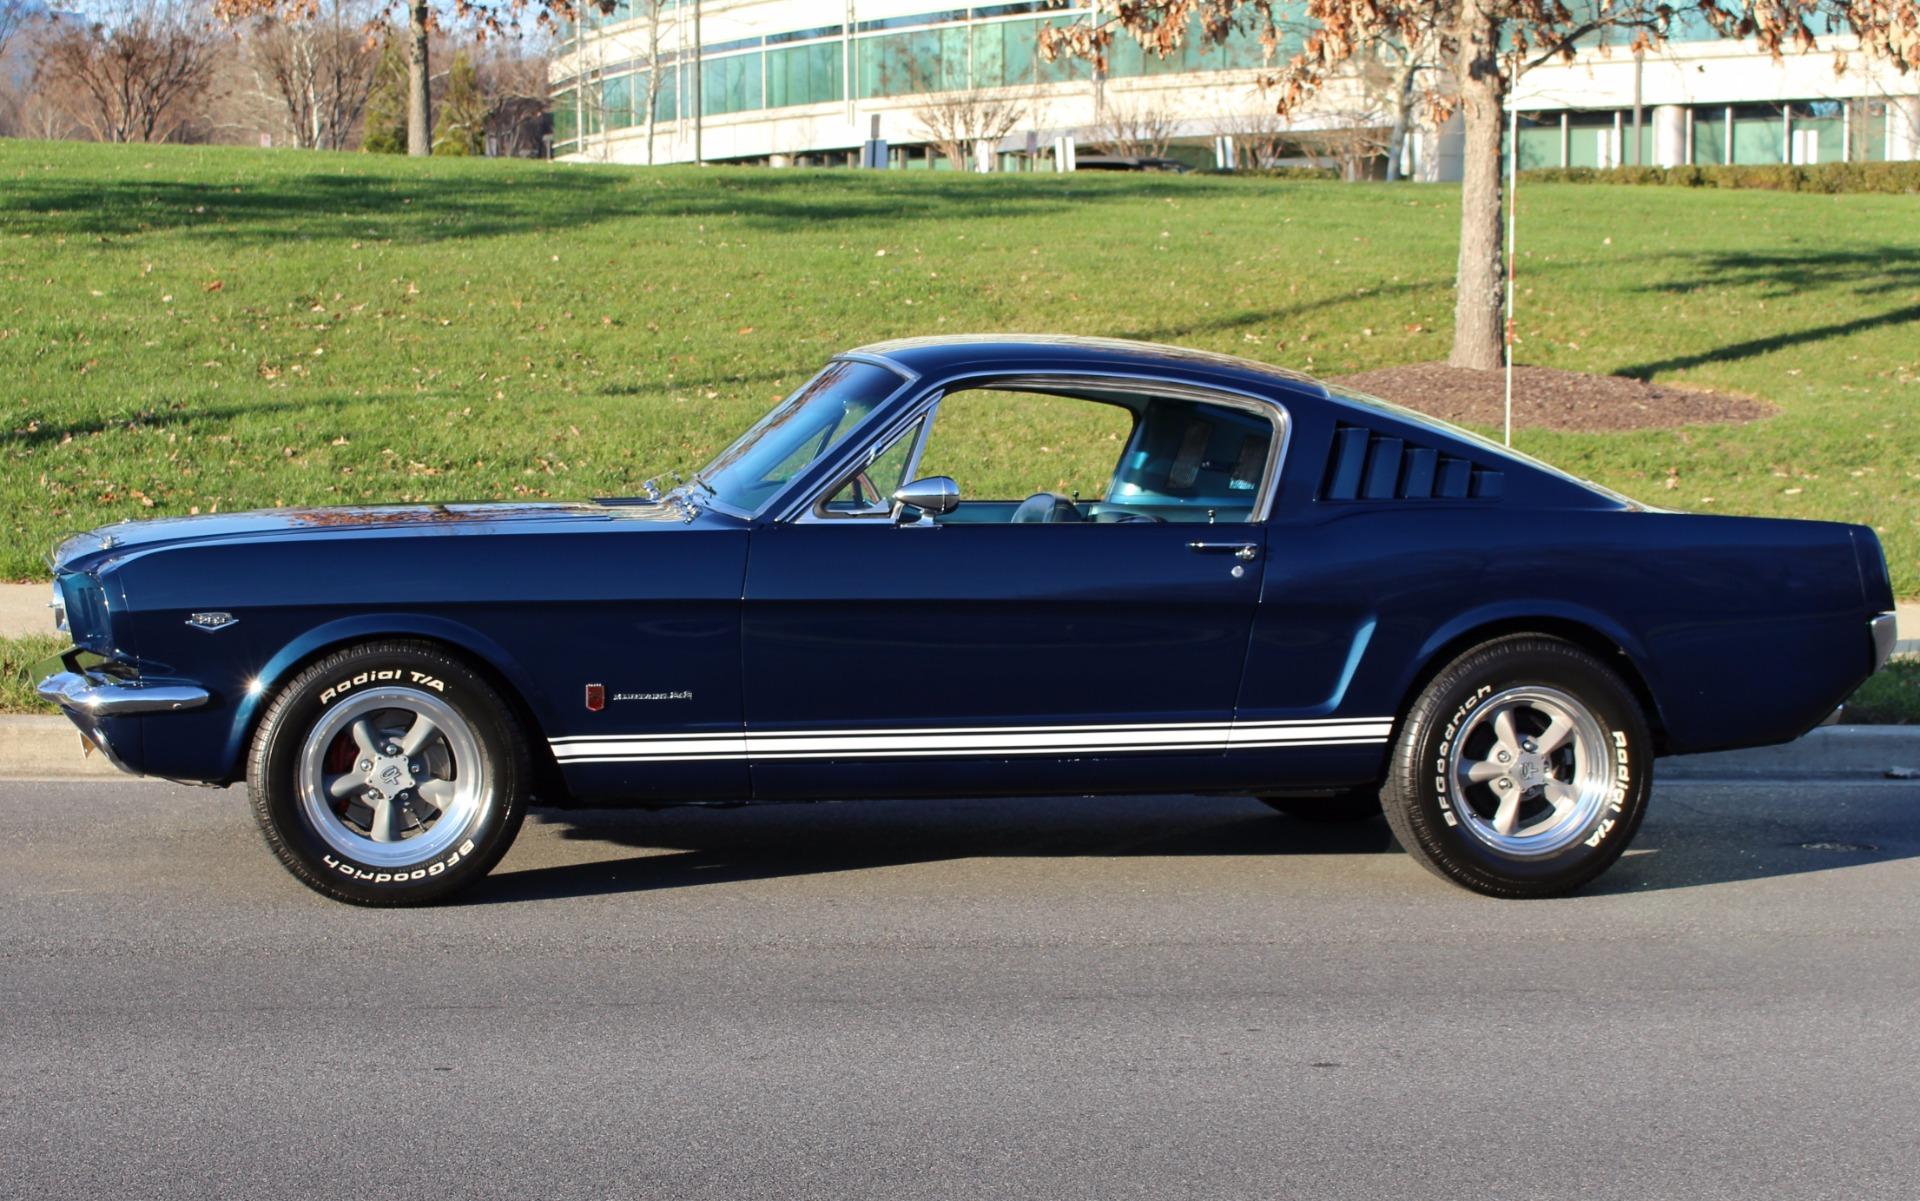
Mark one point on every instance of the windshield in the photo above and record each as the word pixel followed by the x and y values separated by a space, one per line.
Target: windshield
pixel 797 433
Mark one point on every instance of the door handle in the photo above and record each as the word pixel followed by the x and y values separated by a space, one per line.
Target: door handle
pixel 1243 551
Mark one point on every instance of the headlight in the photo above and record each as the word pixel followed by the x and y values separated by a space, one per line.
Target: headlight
pixel 59 606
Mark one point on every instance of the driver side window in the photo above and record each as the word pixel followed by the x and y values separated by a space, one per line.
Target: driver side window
pixel 870 491
pixel 1010 445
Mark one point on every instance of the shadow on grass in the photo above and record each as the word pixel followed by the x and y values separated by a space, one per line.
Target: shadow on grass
pixel 408 207
pixel 1788 273
pixel 1679 847
pixel 34 430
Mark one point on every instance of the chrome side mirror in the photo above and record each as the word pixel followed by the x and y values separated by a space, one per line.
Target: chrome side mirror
pixel 934 495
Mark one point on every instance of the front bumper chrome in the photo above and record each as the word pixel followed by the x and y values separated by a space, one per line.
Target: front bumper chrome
pixel 1886 631
pixel 104 698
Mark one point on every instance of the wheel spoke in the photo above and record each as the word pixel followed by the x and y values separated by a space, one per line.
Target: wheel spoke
pixel 419 735
pixel 1561 795
pixel 1504 730
pixel 438 793
pixel 1484 771
pixel 386 820
pixel 345 785
pixel 365 738
pixel 1508 815
pixel 1556 733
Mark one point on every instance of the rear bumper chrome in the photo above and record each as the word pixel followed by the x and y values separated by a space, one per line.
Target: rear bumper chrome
pixel 1886 631
pixel 103 698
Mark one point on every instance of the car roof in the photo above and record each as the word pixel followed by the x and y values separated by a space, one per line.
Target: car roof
pixel 937 356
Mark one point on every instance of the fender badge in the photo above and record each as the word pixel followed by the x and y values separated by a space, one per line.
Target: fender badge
pixel 212 621
pixel 596 697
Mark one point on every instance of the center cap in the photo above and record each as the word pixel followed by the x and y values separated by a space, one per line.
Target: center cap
pixel 1529 770
pixel 390 775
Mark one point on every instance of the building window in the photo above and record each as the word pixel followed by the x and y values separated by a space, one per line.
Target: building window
pixel 1819 132
pixel 1539 140
pixel 1710 130
pixel 1759 134
pixel 731 84
pixel 805 75
pixel 1593 139
pixel 904 64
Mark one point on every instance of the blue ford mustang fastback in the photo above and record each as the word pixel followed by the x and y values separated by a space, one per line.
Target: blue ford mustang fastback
pixel 1284 590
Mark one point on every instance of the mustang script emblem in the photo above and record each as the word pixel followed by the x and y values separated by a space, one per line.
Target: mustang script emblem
pixel 212 621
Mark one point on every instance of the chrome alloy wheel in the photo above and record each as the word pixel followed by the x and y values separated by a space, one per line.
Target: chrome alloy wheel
pixel 392 777
pixel 1531 772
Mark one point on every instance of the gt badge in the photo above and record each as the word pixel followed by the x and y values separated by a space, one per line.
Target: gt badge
pixel 212 621
pixel 596 697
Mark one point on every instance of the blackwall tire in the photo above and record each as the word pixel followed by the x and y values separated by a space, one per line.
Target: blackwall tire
pixel 1522 769
pixel 389 774
pixel 1356 805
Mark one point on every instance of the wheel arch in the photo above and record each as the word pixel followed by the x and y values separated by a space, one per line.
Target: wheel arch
pixel 486 657
pixel 1590 632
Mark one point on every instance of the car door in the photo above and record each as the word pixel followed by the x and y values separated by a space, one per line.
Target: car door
pixel 970 654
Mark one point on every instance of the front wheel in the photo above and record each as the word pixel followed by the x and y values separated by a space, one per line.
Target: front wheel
pixel 389 774
pixel 1522 770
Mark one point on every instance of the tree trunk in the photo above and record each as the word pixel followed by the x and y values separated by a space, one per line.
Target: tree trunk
pixel 1402 116
pixel 1477 326
pixel 419 117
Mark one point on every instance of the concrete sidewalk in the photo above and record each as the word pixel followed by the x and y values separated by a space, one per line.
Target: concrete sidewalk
pixel 23 609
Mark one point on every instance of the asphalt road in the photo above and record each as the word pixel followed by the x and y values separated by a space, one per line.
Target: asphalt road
pixel 1099 999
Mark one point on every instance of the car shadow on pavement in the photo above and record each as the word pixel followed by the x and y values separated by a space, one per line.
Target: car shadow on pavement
pixel 1692 838
pixel 694 845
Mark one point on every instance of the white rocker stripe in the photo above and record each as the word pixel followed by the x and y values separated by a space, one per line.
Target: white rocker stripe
pixel 1305 723
pixel 995 753
pixel 969 741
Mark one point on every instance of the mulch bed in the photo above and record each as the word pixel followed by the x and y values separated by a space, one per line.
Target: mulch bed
pixel 1544 398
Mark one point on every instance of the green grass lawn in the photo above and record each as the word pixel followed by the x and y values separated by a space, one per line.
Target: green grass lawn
pixel 187 328
pixel 18 656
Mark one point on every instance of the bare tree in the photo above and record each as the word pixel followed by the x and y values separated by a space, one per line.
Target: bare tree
pixel 319 71
pixel 514 81
pixel 1407 59
pixel 136 68
pixel 32 103
pixel 14 17
pixel 1261 138
pixel 1139 125
pixel 1358 111
pixel 959 123
pixel 653 12
pixel 483 17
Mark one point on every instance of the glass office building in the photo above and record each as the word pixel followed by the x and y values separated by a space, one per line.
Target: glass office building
pixel 804 82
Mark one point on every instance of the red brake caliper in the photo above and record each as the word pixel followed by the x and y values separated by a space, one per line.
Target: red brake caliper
pixel 340 758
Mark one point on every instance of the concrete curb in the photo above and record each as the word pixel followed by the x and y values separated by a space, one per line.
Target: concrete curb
pixel 1872 752
pixel 24 611
pixel 48 748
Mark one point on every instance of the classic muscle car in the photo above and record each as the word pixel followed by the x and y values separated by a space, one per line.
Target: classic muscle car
pixel 1275 587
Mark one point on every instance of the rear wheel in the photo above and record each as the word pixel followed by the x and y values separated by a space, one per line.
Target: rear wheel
pixel 389 774
pixel 1522 770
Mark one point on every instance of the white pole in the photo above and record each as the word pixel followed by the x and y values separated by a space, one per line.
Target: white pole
pixel 1513 181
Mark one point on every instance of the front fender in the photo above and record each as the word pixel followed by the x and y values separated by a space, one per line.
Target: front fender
pixel 361 627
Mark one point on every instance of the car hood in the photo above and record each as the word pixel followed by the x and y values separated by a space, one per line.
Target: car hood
pixel 274 524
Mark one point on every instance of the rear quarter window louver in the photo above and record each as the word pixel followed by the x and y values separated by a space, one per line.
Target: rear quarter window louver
pixel 1370 466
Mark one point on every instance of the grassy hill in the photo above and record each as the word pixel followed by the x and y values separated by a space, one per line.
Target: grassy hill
pixel 186 328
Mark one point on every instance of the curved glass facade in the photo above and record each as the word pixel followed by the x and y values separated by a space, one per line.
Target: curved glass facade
pixel 798 80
